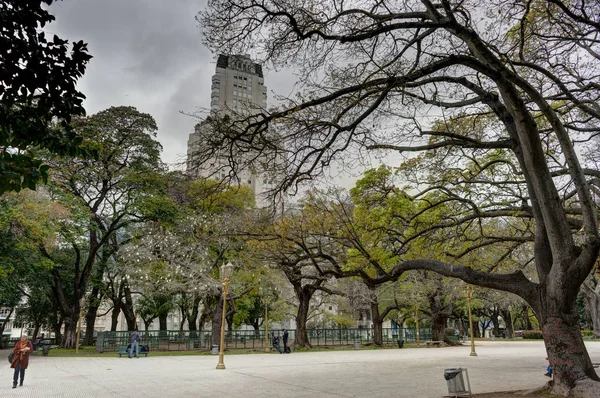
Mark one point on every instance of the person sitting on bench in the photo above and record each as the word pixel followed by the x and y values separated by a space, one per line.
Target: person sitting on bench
pixel 276 343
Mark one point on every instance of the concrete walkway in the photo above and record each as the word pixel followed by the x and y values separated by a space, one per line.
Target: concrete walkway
pixel 418 372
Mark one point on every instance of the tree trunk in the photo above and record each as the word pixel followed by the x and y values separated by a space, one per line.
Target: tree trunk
pixel 193 317
pixel 438 326
pixel 36 330
pixel 70 334
pixel 508 321
pixel 94 301
pixel 57 327
pixel 90 323
pixel 440 311
pixel 377 321
pixel 147 323
pixel 496 325
pixel 127 308
pixel 207 302
pixel 162 322
pixel 114 316
pixel 571 364
pixel 301 339
pixel 526 321
pixel 216 322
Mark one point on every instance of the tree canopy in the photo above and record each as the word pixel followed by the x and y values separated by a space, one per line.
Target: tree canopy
pixel 37 94
pixel 500 95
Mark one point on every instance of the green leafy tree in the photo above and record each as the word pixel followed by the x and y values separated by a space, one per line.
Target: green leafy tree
pixel 104 197
pixel 37 93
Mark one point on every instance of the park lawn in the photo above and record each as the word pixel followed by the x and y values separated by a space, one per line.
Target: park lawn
pixel 90 351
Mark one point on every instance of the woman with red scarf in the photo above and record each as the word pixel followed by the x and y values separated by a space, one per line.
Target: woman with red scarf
pixel 21 359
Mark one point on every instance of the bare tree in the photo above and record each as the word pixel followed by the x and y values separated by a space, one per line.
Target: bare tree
pixel 373 71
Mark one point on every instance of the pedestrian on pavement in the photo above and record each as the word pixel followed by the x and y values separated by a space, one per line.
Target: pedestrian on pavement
pixel 20 361
pixel 276 343
pixel 548 370
pixel 286 349
pixel 135 343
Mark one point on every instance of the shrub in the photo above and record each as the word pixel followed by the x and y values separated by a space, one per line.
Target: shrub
pixel 533 334
pixel 449 332
pixel 587 333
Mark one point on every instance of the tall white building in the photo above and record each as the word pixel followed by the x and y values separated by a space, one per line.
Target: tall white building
pixel 237 88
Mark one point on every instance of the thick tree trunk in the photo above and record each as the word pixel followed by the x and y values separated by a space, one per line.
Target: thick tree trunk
pixel 439 311
pixel 438 327
pixel 162 322
pixel 571 364
pixel 301 339
pixel 70 334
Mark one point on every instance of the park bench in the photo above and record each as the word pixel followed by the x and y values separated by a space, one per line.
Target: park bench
pixel 434 343
pixel 47 346
pixel 123 350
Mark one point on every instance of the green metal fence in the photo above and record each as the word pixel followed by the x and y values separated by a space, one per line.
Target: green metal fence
pixel 176 340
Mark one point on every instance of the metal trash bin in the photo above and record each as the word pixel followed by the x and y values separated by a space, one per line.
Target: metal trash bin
pixel 455 380
pixel 400 343
pixel 357 345
pixel 214 349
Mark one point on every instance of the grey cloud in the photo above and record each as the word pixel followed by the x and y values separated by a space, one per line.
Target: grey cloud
pixel 147 54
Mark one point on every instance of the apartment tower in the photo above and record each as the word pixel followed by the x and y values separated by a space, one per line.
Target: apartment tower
pixel 237 87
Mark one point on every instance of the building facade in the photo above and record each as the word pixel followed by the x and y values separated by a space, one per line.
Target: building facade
pixel 237 88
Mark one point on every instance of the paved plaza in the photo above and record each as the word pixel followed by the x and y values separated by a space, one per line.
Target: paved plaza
pixel 407 372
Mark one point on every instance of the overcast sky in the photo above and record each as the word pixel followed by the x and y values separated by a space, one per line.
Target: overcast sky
pixel 147 54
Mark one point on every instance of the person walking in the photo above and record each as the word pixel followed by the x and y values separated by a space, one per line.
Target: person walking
pixel 20 361
pixel 286 349
pixel 135 343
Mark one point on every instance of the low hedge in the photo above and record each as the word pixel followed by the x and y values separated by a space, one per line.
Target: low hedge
pixel 533 335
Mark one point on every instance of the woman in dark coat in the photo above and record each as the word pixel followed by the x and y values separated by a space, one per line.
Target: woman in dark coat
pixel 20 361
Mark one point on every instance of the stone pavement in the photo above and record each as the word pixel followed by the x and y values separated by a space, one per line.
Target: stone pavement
pixel 407 372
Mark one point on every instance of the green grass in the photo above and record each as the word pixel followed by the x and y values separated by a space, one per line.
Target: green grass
pixel 90 351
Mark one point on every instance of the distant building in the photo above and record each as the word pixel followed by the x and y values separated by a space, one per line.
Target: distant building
pixel 7 318
pixel 237 88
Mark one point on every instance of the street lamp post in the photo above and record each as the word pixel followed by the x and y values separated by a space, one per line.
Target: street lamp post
pixel 469 293
pixel 81 304
pixel 266 300
pixel 226 271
